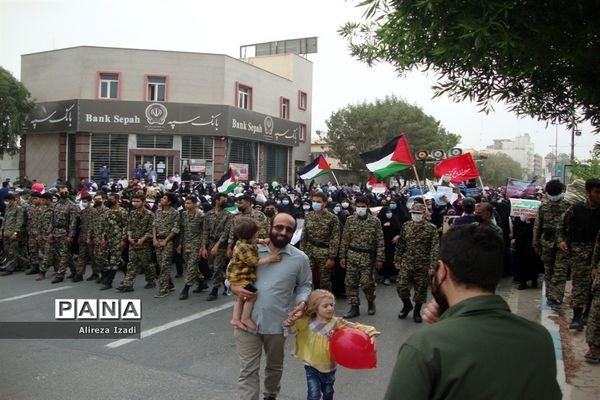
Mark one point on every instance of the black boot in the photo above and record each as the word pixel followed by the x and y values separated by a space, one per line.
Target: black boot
pixel 371 309
pixel 417 313
pixel 353 312
pixel 110 275
pixel 202 285
pixel 184 293
pixel 92 277
pixel 214 294
pixel 77 278
pixel 577 322
pixel 406 309
pixel 100 278
pixel 33 270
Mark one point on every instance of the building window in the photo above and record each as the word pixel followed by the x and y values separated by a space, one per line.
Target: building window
pixel 109 86
pixel 243 96
pixel 284 108
pixel 302 100
pixel 156 88
pixel 302 133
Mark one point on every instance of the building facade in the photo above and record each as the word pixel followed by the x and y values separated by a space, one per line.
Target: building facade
pixel 520 149
pixel 169 111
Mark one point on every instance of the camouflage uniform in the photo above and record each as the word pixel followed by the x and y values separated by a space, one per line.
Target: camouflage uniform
pixel 33 235
pixel 577 236
pixel 416 252
pixel 85 250
pixel 165 222
pixel 47 248
pixel 97 235
pixel 14 222
pixel 544 236
pixel 362 243
pixel 140 257
pixel 116 232
pixel 216 229
pixel 64 224
pixel 592 333
pixel 191 241
pixel 320 241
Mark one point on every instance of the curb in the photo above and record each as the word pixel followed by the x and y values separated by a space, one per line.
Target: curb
pixel 553 329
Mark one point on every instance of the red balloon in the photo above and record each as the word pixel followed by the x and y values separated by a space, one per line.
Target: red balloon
pixel 37 187
pixel 353 349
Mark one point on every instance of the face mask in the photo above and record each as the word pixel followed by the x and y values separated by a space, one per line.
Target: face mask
pixel 416 217
pixel 557 197
pixel 388 215
pixel 297 205
pixel 285 202
pixel 278 201
pixel 316 206
pixel 109 203
pixel 361 211
pixel 269 213
pixel 393 206
pixel 97 203
pixel 64 195
pixel 337 209
pixel 306 207
pixel 345 205
pixel 85 204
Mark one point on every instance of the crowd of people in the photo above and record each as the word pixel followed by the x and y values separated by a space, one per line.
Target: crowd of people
pixel 345 236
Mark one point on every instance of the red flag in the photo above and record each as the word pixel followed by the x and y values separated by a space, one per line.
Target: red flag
pixel 372 181
pixel 459 168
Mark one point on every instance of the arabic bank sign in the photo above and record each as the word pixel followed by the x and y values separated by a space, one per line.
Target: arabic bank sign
pixel 102 116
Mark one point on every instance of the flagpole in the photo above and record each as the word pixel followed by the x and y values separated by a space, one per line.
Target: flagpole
pixel 334 177
pixel 417 176
pixel 481 182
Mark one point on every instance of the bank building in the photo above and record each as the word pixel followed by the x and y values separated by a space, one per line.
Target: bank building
pixel 170 111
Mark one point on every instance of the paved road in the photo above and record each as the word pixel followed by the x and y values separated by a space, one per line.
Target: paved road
pixel 192 357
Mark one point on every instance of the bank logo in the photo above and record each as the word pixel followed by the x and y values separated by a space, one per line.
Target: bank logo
pixel 156 113
pixel 268 125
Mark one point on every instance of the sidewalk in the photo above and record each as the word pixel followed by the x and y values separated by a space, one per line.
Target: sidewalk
pixel 578 379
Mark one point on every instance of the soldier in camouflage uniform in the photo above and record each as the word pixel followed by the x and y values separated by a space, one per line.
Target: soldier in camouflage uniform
pixel 13 229
pixel 85 247
pixel 64 228
pixel 116 238
pixel 96 237
pixel 217 224
pixel 416 253
pixel 190 245
pixel 592 331
pixel 33 211
pixel 139 236
pixel 576 234
pixel 361 245
pixel 320 240
pixel 45 228
pixel 544 242
pixel 164 230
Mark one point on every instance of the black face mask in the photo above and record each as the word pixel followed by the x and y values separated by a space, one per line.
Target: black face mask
pixel 97 203
pixel 269 213
pixel 109 203
pixel 64 195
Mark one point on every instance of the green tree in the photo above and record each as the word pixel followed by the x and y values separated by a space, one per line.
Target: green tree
pixel 361 127
pixel 540 57
pixel 497 168
pixel 15 105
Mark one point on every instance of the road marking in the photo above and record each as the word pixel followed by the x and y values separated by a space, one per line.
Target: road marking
pixel 169 325
pixel 35 293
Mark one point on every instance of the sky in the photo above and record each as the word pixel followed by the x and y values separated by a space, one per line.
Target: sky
pixel 222 26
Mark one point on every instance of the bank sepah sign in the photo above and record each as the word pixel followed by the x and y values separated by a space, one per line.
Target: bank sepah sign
pixel 105 116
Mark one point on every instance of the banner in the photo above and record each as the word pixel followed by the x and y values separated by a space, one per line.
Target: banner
pixel 240 171
pixel 524 208
pixel 459 168
pixel 517 188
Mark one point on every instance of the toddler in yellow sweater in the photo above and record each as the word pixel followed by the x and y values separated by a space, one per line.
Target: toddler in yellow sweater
pixel 313 331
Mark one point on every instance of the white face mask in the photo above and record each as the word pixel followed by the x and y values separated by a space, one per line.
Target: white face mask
pixel 416 217
pixel 361 211
pixel 306 207
pixel 345 205
pixel 388 215
pixel 557 197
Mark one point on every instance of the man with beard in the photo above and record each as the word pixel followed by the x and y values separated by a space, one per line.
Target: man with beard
pixel 476 335
pixel 282 286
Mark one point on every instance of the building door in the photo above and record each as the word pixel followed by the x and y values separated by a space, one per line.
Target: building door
pixel 163 165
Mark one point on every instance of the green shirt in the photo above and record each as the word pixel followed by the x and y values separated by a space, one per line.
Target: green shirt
pixel 477 350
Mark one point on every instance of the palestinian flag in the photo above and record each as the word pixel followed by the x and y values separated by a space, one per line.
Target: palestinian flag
pixel 318 167
pixel 227 182
pixel 390 159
